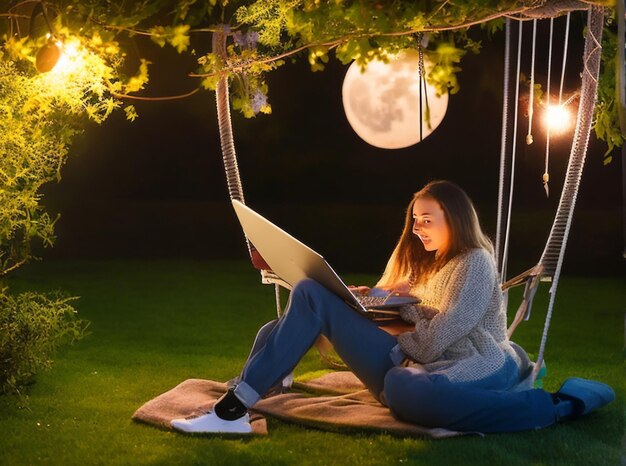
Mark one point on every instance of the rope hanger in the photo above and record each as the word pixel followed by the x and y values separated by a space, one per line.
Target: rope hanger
pixel 422 83
pixel 551 260
pixel 531 91
pixel 546 174
pixel 505 253
pixel 529 136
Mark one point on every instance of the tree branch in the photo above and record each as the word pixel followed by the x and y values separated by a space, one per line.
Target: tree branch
pixel 153 99
pixel 242 66
pixel 13 267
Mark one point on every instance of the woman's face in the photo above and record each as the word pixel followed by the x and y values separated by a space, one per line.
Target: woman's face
pixel 430 224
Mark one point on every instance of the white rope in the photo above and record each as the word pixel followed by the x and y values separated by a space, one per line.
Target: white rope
pixel 584 121
pixel 565 42
pixel 531 103
pixel 546 175
pixel 505 253
pixel 279 307
pixel 505 113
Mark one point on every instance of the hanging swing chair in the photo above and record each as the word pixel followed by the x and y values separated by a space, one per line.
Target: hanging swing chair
pixel 548 268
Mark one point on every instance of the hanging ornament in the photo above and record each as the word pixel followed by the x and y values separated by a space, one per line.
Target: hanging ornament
pixel 383 105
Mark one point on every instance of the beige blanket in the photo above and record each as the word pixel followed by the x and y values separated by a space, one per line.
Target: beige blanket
pixel 344 405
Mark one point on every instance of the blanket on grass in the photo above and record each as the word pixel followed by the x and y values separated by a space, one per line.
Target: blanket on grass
pixel 337 401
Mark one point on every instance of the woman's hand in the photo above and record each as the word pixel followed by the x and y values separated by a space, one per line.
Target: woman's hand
pixel 401 289
pixel 362 290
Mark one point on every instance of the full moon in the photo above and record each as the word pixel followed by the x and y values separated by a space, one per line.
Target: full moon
pixel 382 104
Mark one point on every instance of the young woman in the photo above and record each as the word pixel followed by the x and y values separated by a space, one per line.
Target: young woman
pixel 454 369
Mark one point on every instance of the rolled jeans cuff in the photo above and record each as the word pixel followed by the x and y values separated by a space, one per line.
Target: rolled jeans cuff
pixel 397 356
pixel 246 394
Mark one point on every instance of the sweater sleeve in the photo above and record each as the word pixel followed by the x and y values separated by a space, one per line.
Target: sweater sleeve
pixel 413 312
pixel 466 300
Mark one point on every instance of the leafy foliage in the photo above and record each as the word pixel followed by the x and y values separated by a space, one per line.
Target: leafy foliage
pixel 32 327
pixel 177 36
pixel 606 115
pixel 361 30
pixel 270 18
pixel 39 116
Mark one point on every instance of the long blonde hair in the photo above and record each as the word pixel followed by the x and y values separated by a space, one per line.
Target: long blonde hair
pixel 410 261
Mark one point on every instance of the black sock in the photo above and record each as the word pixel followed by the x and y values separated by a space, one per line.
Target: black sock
pixel 229 408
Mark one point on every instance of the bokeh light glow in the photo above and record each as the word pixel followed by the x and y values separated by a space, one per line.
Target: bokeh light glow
pixel 71 60
pixel 71 69
pixel 558 119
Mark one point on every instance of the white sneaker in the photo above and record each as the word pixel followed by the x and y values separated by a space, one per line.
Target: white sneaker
pixel 211 423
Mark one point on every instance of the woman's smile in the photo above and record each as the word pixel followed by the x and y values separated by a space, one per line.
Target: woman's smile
pixel 430 224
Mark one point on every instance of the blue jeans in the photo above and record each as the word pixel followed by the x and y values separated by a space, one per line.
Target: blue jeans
pixel 374 356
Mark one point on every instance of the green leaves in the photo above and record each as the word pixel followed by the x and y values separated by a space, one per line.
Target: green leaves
pixel 442 75
pixel 317 57
pixel 137 82
pixel 607 126
pixel 269 17
pixel 32 327
pixel 177 36
pixel 131 112
pixel 210 63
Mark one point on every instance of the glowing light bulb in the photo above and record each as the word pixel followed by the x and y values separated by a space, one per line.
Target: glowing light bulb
pixel 71 59
pixel 74 66
pixel 557 118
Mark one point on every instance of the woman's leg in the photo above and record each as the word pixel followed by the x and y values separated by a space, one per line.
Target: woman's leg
pixel 431 400
pixel 259 342
pixel 313 310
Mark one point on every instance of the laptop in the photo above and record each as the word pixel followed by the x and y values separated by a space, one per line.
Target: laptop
pixel 294 261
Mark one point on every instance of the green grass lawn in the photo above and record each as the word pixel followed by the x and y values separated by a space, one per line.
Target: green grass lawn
pixel 154 324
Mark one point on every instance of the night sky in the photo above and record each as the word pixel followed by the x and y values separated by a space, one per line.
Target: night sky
pixel 155 188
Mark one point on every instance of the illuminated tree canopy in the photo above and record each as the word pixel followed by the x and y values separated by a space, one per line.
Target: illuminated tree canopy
pixel 264 33
pixel 96 36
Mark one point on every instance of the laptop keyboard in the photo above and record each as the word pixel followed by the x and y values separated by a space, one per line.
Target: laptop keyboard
pixel 369 301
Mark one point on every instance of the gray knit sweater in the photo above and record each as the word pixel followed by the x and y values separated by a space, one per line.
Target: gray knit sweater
pixel 460 325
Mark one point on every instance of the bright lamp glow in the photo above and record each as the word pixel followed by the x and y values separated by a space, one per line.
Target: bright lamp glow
pixel 382 104
pixel 557 118
pixel 70 68
pixel 71 60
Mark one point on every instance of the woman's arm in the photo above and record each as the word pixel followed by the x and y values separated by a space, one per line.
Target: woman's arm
pixel 414 312
pixel 470 289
